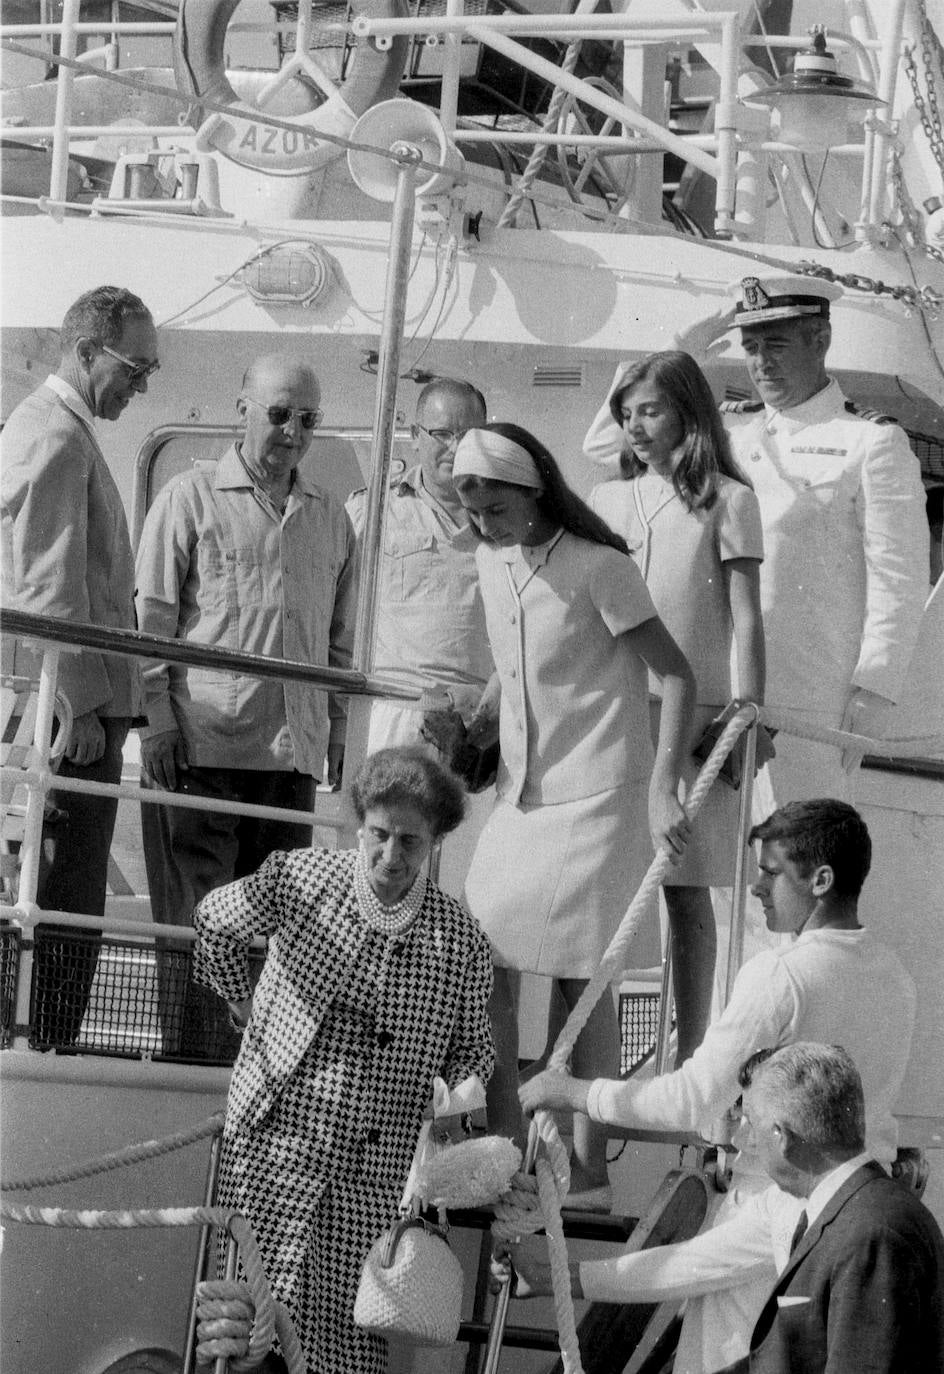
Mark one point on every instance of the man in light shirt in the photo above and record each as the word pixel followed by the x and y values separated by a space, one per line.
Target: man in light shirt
pixel 859 1260
pixel 252 555
pixel 430 618
pixel 67 554
pixel 833 983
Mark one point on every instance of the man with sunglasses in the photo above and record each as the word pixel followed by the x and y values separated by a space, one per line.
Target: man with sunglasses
pixel 251 555
pixel 67 554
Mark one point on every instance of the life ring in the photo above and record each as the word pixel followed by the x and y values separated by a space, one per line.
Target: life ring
pixel 374 75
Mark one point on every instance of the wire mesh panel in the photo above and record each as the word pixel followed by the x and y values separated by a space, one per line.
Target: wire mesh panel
pixel 127 998
pixel 639 1023
pixel 9 966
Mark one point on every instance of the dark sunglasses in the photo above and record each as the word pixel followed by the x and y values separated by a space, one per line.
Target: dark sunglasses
pixel 137 372
pixel 280 415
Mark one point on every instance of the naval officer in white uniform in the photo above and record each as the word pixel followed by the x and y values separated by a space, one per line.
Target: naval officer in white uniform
pixel 844 578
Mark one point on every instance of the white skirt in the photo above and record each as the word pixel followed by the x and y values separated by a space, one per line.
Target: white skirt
pixel 550 883
pixel 711 854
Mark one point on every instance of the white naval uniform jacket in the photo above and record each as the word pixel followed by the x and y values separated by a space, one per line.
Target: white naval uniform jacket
pixel 844 579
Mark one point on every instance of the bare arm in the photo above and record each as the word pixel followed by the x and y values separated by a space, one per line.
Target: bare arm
pixel 742 583
pixel 483 726
pixel 667 820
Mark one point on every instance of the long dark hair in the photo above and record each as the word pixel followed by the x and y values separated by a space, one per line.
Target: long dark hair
pixel 706 448
pixel 557 502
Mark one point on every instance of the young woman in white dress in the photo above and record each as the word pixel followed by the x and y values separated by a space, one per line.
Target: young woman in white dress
pixel 580 801
pixel 692 524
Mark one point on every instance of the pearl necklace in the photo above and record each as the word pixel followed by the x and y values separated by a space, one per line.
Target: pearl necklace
pixel 377 915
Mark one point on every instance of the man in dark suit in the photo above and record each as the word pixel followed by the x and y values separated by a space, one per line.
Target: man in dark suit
pixel 862 1291
pixel 860 1287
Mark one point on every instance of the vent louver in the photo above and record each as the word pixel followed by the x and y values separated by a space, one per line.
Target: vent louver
pixel 547 375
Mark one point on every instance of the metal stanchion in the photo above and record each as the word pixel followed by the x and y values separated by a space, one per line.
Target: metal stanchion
pixel 200 1264
pixel 722 1131
pixel 496 1332
pixel 739 892
pixel 221 1363
pixel 666 1004
pixel 385 415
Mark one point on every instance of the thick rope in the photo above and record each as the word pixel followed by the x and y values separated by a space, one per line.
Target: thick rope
pixel 539 154
pixel 216 1301
pixel 615 958
pixel 265 1321
pixel 560 1269
pixel 117 1159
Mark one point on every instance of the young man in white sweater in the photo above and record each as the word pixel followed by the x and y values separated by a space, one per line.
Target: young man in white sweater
pixel 833 984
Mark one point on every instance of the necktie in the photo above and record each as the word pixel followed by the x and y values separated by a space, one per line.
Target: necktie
pixel 800 1231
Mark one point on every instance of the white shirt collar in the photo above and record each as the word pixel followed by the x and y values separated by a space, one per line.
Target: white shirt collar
pixel 819 407
pixel 829 1185
pixel 67 392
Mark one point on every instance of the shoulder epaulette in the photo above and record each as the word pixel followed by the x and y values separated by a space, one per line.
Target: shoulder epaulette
pixel 740 407
pixel 876 416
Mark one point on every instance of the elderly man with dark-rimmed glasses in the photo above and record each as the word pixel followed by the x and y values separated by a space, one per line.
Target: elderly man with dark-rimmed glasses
pixel 67 553
pixel 255 556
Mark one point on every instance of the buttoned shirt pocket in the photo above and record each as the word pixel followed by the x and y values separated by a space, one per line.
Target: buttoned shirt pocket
pixel 408 564
pixel 228 577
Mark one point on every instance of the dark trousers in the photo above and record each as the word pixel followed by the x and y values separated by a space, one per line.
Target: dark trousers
pixel 189 853
pixel 73 876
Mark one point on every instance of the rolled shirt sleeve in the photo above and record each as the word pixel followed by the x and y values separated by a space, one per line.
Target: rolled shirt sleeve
pixel 760 1010
pixel 716 1259
pixel 164 554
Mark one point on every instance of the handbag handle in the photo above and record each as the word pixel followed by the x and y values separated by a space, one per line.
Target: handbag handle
pixel 399 1228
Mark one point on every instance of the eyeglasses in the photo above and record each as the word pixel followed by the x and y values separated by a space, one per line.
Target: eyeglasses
pixel 443 437
pixel 137 372
pixel 280 415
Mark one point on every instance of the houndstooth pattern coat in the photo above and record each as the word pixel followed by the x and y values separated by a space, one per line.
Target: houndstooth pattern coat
pixel 348 1029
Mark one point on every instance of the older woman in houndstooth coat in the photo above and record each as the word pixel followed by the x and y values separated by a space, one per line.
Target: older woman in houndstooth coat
pixel 375 983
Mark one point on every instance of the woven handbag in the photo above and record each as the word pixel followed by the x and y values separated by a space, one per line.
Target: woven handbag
pixel 411 1285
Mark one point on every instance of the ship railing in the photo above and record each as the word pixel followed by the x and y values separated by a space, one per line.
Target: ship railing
pixel 140 969
pixel 136 1001
pixel 719 35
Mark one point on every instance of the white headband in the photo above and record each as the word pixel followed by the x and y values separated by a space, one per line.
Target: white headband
pixel 483 453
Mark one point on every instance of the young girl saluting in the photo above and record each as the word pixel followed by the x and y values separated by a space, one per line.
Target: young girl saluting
pixel 572 630
pixel 692 523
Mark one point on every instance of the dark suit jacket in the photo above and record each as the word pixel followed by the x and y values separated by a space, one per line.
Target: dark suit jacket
pixel 863 1293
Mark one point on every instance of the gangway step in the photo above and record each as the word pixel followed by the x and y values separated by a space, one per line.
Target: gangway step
pixel 577 1225
pixel 522 1337
pixel 608 1333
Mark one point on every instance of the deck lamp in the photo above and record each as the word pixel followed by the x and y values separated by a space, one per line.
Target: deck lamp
pixel 815 101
